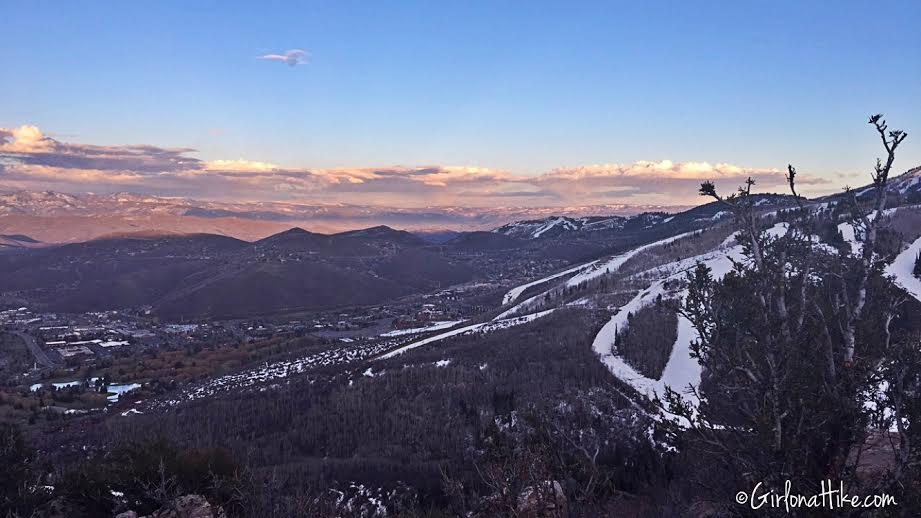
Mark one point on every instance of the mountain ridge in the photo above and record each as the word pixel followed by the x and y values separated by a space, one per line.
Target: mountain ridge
pixel 54 217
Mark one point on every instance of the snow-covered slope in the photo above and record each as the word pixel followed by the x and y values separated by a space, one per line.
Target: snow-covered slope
pixel 434 326
pixel 614 263
pixel 681 371
pixel 849 234
pixel 854 236
pixel 907 182
pixel 902 267
pixel 483 327
pixel 586 271
pixel 557 225
pixel 516 292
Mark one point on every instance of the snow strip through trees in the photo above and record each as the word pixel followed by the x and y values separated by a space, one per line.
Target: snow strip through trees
pixel 483 327
pixel 435 326
pixel 614 263
pixel 516 292
pixel 681 371
pixel 609 266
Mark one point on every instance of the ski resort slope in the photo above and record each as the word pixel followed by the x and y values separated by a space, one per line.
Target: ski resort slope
pixel 516 292
pixel 483 327
pixel 902 267
pixel 586 272
pixel 436 326
pixel 614 263
pixel 518 307
pixel 554 222
pixel 681 371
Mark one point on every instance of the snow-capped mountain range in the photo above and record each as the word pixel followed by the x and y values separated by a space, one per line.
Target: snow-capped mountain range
pixel 55 217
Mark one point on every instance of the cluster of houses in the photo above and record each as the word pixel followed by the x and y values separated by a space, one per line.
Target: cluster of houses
pixel 83 337
pixel 87 335
pixel 71 341
pixel 426 313
pixel 18 317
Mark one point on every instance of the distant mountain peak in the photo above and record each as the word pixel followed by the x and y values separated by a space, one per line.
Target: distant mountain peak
pixel 293 231
pixel 294 236
pixel 385 233
pixel 555 226
pixel 376 230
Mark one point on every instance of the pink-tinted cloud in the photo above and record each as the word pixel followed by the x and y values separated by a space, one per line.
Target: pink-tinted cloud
pixel 658 182
pixel 31 159
pixel 28 145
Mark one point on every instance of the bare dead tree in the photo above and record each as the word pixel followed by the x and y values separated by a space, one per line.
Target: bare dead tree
pixel 870 223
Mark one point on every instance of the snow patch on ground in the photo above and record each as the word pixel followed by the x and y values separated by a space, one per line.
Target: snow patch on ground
pixel 278 371
pixel 903 266
pixel 854 236
pixel 849 233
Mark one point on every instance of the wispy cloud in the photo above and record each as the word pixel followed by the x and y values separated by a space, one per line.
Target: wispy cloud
pixel 33 160
pixel 292 57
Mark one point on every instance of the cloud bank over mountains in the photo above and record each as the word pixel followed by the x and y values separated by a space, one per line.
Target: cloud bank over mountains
pixel 32 160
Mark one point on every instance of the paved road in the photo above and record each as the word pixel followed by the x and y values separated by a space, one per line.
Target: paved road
pixel 40 356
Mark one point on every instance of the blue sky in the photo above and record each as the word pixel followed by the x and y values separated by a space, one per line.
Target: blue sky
pixel 524 87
